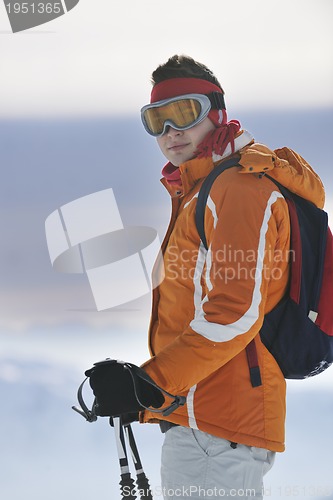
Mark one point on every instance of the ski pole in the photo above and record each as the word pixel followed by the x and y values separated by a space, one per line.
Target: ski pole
pixel 142 480
pixel 127 487
pixel 127 484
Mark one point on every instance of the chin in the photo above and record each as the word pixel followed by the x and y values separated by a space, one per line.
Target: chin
pixel 179 160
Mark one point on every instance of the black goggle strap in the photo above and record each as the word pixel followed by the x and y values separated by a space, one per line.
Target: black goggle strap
pixel 217 100
pixel 177 400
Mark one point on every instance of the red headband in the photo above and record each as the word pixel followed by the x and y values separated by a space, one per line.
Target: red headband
pixel 182 86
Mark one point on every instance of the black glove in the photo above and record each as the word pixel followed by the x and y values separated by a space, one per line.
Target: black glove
pixel 119 388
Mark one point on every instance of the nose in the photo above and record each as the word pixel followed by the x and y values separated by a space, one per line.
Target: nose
pixel 172 132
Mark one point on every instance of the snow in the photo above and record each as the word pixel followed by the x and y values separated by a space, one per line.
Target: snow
pixel 49 448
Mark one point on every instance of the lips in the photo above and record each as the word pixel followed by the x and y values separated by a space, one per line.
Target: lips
pixel 177 147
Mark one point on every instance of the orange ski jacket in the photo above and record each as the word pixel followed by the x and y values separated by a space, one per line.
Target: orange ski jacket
pixel 211 304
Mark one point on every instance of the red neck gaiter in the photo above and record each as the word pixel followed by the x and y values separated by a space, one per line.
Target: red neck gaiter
pixel 172 174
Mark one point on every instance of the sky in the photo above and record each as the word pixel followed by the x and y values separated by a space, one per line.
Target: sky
pixel 70 95
pixel 97 59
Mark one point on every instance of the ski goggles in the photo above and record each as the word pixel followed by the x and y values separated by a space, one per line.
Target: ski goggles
pixel 180 112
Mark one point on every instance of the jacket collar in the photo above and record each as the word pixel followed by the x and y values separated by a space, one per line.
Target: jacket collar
pixel 194 170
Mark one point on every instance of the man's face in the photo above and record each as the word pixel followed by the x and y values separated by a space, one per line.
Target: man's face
pixel 179 146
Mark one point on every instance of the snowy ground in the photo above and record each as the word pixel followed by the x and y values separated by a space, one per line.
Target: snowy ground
pixel 48 451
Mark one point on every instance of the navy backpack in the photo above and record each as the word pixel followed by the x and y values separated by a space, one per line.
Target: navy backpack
pixel 299 330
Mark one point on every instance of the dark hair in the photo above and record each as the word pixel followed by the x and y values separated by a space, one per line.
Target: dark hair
pixel 183 67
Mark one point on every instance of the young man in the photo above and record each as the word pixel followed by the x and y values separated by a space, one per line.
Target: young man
pixel 211 303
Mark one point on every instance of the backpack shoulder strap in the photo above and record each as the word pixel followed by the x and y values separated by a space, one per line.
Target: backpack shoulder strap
pixel 251 350
pixel 204 193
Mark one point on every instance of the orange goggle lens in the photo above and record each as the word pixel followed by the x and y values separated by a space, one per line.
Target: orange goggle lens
pixel 180 114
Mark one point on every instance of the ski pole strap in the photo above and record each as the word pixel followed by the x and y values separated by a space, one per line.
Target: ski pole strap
pixel 89 415
pixel 177 400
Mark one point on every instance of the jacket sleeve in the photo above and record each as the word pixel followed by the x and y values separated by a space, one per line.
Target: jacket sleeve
pixel 243 228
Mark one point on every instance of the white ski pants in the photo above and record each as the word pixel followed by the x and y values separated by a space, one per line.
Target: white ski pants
pixel 196 465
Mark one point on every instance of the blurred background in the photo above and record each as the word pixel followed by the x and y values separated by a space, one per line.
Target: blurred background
pixel 70 96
